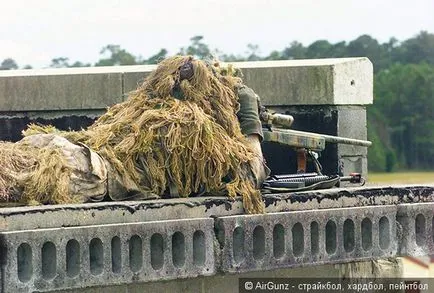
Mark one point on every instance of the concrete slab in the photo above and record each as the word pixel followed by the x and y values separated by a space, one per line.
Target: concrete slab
pixel 295 82
pixel 346 81
pixel 128 254
pixel 133 79
pixel 291 239
pixel 60 92
pixel 416 228
pixel 342 81
pixel 63 258
pixel 52 216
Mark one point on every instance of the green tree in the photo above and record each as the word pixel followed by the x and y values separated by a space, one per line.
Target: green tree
pixel 376 153
pixel 231 58
pixel 417 49
pixel 338 50
pixel 404 94
pixel 319 49
pixel 116 56
pixel 274 55
pixel 253 52
pixel 197 48
pixel 80 64
pixel 157 57
pixel 296 50
pixel 63 62
pixel 8 64
pixel 59 62
pixel 366 46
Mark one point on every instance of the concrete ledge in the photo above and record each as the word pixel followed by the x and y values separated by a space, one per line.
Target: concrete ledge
pixel 78 257
pixel 60 92
pixel 63 89
pixel 50 248
pixel 53 216
pixel 296 82
pixel 343 81
pixel 279 240
pixel 416 228
pixel 60 258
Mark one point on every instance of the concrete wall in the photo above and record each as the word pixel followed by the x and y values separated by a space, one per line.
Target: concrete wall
pixel 344 81
pixel 204 242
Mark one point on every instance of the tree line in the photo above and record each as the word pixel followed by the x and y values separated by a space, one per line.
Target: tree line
pixel 401 120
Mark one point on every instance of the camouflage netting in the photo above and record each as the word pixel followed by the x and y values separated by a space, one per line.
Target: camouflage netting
pixel 170 129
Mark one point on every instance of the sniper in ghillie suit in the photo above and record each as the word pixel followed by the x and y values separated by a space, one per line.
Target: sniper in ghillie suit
pixel 191 128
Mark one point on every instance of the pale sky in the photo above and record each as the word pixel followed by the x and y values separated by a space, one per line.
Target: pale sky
pixel 34 32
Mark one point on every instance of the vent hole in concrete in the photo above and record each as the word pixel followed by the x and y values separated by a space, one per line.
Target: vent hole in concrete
pixel 178 249
pixel 157 251
pixel 116 255
pixel 349 239
pixel 384 228
pixel 199 249
pixel 96 256
pixel 420 230
pixel 278 241
pixel 136 253
pixel 314 238
pixel 72 258
pixel 258 242
pixel 24 262
pixel 353 82
pixel 238 244
pixel 331 237
pixel 297 239
pixel 49 260
pixel 366 234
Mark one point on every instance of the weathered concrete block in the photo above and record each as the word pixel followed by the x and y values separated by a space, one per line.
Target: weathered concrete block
pixel 416 229
pixel 351 164
pixel 122 243
pixel 106 213
pixel 79 257
pixel 133 79
pixel 60 89
pixel 352 124
pixel 291 239
pixel 343 81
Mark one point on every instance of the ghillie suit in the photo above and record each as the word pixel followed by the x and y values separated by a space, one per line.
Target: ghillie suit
pixel 177 133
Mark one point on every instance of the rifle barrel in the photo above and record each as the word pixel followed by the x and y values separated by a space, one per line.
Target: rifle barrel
pixel 331 138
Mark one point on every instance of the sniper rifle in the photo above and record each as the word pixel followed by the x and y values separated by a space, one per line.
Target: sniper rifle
pixel 306 144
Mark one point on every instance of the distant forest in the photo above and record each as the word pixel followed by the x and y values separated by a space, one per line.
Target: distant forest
pixel 401 120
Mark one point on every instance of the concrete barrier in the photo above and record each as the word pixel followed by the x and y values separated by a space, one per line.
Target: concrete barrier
pixel 106 213
pixel 42 259
pixel 264 242
pixel 343 81
pixel 79 257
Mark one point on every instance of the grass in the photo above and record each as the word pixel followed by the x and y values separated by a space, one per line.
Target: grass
pixel 413 177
